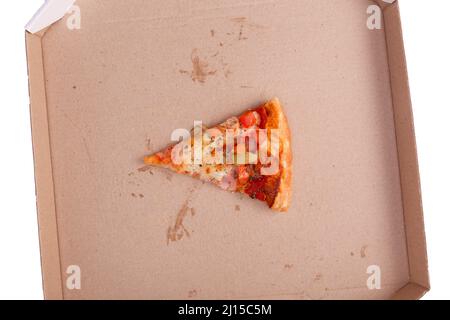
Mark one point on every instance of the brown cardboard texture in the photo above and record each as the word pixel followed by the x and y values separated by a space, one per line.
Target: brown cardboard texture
pixel 110 91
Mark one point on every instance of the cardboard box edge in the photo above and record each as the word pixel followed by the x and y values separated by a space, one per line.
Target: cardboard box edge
pixel 50 12
pixel 45 198
pixel 407 154
pixel 411 291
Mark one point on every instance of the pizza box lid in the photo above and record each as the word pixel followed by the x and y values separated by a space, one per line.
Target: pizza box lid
pixel 109 82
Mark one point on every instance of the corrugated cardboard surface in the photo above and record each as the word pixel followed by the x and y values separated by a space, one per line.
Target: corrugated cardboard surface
pixel 104 96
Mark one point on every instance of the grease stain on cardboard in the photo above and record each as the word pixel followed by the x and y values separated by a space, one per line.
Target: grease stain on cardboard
pixel 201 69
pixel 363 251
pixel 178 231
pixel 192 294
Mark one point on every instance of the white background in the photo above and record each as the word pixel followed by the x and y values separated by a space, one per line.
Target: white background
pixel 426 33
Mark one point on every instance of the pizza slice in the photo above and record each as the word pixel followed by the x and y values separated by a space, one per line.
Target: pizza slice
pixel 249 154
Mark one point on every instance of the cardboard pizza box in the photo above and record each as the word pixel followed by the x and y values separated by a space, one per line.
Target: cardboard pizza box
pixel 109 82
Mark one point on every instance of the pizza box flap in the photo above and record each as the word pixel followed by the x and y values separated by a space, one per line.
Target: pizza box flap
pixel 50 12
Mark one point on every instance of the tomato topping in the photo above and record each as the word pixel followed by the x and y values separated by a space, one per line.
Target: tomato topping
pixel 248 119
pixel 260 196
pixel 243 175
pixel 256 188
pixel 263 114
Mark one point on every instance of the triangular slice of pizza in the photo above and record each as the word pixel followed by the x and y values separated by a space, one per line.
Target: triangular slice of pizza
pixel 249 154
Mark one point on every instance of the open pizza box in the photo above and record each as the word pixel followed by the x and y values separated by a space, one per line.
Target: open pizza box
pixel 110 81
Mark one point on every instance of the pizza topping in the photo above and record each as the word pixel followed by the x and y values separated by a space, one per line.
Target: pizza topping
pixel 218 175
pixel 229 182
pixel 248 119
pixel 260 196
pixel 255 188
pixel 263 116
pixel 231 123
pixel 165 156
pixel 243 175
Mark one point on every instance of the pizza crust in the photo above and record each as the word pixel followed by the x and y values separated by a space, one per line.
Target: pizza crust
pixel 278 120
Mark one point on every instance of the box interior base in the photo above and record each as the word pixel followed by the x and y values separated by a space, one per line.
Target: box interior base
pixel 136 71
